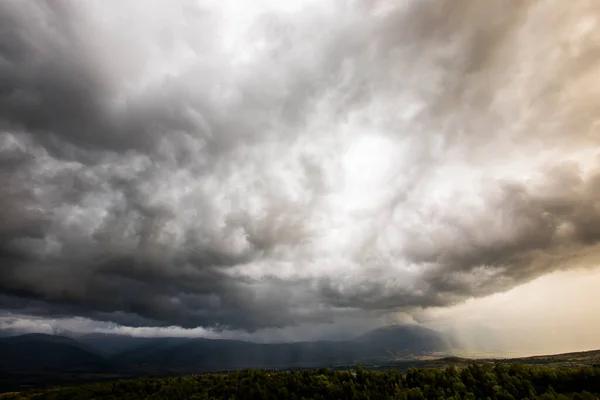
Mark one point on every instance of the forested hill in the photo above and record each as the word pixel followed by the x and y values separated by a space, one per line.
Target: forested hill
pixel 494 382
pixel 38 353
pixel 114 353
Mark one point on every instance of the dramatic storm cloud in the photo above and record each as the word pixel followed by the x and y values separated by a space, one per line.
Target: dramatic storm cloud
pixel 250 165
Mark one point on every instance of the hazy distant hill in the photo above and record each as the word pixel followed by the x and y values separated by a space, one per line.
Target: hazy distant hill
pixel 404 340
pixel 124 353
pixel 110 345
pixel 39 359
pixel 204 354
pixel 41 352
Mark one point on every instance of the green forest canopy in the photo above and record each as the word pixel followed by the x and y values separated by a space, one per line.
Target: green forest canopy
pixel 492 381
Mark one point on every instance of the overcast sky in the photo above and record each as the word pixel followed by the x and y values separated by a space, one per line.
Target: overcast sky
pixel 278 168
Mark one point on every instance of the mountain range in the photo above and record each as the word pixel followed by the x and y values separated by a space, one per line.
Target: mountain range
pixel 106 353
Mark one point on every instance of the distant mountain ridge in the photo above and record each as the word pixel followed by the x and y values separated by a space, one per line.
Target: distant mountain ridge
pixel 116 352
pixel 405 340
pixel 110 345
pixel 40 352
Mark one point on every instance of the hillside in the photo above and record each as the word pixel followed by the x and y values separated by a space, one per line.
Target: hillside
pixel 40 352
pixel 476 381
pixel 28 358
pixel 207 355
pixel 203 354
pixel 398 341
pixel 41 360
pixel 110 345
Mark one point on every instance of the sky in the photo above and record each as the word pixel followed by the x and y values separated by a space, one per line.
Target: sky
pixel 301 169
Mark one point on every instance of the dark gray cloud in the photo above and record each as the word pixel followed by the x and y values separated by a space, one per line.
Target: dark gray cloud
pixel 189 164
